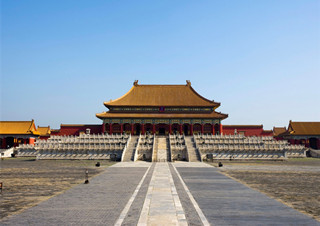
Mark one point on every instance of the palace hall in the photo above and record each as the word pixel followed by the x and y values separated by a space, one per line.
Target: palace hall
pixel 162 110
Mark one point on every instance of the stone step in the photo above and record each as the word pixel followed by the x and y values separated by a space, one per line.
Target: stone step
pixel 162 149
pixel 129 155
pixel 193 153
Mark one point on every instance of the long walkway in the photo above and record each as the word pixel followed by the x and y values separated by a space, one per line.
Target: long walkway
pixel 160 194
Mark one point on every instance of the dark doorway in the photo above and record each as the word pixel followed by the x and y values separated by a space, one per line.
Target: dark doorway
pixel 138 129
pixel 186 129
pixel 217 129
pixel 162 131
pixel 313 143
pixel 9 142
pixel 175 131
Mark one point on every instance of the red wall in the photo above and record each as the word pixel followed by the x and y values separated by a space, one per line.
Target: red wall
pixel 76 129
pixel 227 130
pixel 248 130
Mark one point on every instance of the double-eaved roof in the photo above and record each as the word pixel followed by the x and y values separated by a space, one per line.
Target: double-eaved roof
pixel 166 96
pixel 162 95
pixel 18 127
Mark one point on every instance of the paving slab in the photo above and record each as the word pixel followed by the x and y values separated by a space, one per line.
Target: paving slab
pixel 134 212
pixel 191 164
pixel 162 205
pixel 98 203
pixel 190 212
pixel 225 201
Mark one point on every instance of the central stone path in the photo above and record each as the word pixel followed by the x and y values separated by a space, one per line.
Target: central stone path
pixel 162 205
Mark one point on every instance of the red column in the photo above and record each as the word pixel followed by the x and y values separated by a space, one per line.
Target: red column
pixel 191 129
pixel 103 128
pixel 121 128
pixel 132 128
pixel 221 130
pixel 4 143
pixel 153 128
pixel 110 128
pixel 212 129
pixel 180 129
pixel 142 128
pixel 25 141
pixel 202 128
pixel 170 129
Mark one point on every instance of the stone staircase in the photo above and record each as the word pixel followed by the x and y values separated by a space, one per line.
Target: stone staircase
pixel 131 149
pixel 193 153
pixel 155 150
pixel 162 150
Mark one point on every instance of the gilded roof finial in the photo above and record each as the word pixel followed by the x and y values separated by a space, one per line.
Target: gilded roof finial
pixel 188 83
pixel 135 82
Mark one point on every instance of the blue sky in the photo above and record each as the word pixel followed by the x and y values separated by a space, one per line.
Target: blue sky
pixel 60 60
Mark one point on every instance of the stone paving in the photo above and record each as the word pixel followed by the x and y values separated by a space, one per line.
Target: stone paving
pixel 160 194
pixel 98 203
pixel 162 205
pixel 227 202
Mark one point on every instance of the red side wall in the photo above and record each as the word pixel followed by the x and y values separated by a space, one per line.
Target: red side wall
pixel 248 130
pixel 75 130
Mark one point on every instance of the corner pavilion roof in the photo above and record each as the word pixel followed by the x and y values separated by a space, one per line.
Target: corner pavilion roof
pixel 162 95
pixel 18 127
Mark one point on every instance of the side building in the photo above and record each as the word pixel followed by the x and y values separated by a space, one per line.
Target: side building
pixel 162 110
pixel 13 133
pixel 305 133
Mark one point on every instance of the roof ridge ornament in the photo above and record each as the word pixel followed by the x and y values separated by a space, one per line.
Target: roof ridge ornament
pixel 135 83
pixel 188 83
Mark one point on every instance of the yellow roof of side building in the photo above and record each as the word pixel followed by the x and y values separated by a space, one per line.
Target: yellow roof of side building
pixel 304 128
pixel 18 127
pixel 278 131
pixel 44 131
pixel 162 95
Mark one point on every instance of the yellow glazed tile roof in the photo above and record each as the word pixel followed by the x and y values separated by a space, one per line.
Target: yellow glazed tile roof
pixel 278 130
pixel 304 128
pixel 162 95
pixel 44 131
pixel 18 127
